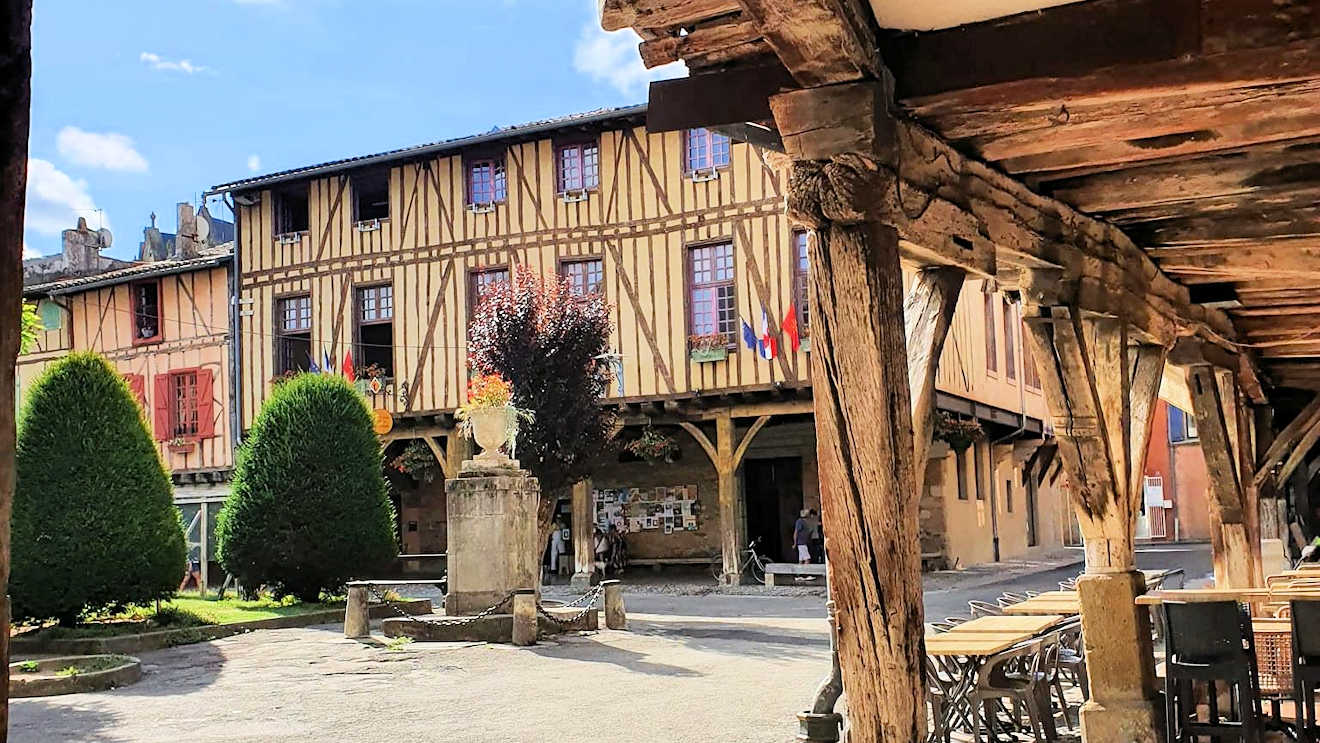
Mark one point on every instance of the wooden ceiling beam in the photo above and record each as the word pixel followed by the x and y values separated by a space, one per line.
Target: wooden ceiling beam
pixel 705 41
pixel 1288 259
pixel 639 14
pixel 1272 168
pixel 1221 207
pixel 821 42
pixel 1246 223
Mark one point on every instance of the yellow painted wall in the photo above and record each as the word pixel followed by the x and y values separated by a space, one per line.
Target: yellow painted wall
pixel 195 328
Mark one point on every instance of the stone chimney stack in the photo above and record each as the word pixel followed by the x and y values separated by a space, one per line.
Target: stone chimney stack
pixel 82 249
pixel 186 244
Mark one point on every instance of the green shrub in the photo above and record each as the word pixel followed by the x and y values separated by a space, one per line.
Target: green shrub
pixel 308 509
pixel 94 520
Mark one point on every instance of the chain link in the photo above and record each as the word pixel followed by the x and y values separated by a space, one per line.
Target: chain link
pixel 590 597
pixel 447 621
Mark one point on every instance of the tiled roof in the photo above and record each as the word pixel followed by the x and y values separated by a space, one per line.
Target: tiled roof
pixel 494 135
pixel 217 256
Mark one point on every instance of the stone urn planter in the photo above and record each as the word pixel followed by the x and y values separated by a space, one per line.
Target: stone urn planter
pixel 492 429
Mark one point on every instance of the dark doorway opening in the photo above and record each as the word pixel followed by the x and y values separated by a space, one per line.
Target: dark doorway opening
pixel 774 500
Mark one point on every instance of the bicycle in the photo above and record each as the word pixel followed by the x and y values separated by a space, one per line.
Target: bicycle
pixel 752 562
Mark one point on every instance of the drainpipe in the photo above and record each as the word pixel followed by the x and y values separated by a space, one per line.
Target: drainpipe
pixel 235 337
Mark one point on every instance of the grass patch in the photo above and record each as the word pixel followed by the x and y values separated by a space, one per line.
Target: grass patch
pixel 183 611
pixel 398 643
pixel 29 666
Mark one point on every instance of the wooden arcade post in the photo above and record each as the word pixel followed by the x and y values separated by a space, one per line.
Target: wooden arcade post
pixel 836 135
pixel 726 454
pixel 1101 387
pixel 584 543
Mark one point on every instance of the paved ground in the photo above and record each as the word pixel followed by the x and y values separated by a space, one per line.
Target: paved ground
pixel 690 666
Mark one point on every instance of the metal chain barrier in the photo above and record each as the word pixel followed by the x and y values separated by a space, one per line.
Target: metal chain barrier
pixel 590 597
pixel 446 622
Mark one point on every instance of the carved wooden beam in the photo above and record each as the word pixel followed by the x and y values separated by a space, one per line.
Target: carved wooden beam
pixel 927 312
pixel 1217 425
pixel 819 41
pixel 747 440
pixel 644 14
pixel 441 457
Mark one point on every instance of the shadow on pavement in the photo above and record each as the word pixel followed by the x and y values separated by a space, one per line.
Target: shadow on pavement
pixel 588 650
pixel 44 719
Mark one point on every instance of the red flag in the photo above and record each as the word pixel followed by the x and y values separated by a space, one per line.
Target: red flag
pixel 790 327
pixel 348 366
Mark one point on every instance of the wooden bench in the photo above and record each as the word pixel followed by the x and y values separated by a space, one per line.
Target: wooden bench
pixel 357 609
pixel 772 569
pixel 658 562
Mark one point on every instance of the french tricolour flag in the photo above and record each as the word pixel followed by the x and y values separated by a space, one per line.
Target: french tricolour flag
pixel 767 345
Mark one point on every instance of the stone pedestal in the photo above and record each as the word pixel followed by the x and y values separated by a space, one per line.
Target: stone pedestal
pixel 1119 661
pixel 493 546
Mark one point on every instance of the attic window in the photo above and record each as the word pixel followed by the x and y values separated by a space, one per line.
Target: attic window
pixel 371 196
pixel 291 210
pixel 146 312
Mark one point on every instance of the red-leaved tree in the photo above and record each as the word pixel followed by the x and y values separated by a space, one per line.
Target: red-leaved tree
pixel 549 342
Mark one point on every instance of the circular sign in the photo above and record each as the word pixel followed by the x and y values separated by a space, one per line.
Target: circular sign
pixel 382 422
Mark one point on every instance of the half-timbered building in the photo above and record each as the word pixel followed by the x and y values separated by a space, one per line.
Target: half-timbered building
pixel 163 322
pixel 383 258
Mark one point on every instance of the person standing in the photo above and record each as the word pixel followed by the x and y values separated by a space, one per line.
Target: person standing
pixel 802 538
pixel 557 547
pixel 817 537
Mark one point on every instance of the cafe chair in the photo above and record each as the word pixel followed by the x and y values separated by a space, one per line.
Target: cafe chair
pixel 1072 656
pixel 984 609
pixel 1211 644
pixel 1017 676
pixel 1306 666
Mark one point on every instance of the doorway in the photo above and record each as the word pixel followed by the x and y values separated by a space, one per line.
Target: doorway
pixel 773 490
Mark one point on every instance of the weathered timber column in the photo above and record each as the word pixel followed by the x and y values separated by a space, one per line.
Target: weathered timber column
pixel 841 139
pixel 584 543
pixel 927 312
pixel 1101 392
pixel 732 528
pixel 15 102
pixel 1215 401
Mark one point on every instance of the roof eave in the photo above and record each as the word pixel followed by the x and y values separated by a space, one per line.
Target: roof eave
pixel 72 286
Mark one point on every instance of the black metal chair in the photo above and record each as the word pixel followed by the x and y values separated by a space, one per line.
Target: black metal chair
pixel 1306 666
pixel 1210 643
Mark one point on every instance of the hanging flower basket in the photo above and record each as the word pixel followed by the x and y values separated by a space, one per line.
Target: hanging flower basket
pixel 708 347
pixel 417 461
pixel 180 445
pixel 957 432
pixel 653 446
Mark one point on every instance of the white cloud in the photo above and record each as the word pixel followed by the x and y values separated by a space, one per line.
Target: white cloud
pixel 55 200
pixel 254 163
pixel 157 62
pixel 109 150
pixel 29 252
pixel 612 58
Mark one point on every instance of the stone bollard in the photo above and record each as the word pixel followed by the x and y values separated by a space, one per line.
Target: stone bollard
pixel 819 728
pixel 357 620
pixel 615 617
pixel 524 617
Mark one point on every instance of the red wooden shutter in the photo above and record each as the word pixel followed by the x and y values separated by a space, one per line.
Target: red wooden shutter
pixel 137 384
pixel 205 403
pixel 160 408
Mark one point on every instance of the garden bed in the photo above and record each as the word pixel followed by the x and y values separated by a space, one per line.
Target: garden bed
pixel 72 675
pixel 188 620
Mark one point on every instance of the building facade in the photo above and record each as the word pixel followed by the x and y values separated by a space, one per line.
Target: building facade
pixel 163 323
pixel 382 260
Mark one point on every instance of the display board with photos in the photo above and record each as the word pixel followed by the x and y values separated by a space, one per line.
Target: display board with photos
pixel 666 509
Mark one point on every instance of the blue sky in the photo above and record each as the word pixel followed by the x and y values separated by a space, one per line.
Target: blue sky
pixel 139 104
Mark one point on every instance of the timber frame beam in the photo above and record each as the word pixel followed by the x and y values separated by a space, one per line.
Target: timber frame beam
pixel 727 456
pixel 1290 447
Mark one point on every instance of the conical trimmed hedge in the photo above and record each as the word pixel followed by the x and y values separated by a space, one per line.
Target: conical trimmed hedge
pixel 94 519
pixel 308 510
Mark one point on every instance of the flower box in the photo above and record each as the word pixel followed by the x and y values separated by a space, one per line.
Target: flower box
pixel 182 446
pixel 701 355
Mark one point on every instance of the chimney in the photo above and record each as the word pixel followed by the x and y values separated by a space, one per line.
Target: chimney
pixel 82 249
pixel 186 244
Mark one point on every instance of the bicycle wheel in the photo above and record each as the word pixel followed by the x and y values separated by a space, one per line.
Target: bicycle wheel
pixel 757 569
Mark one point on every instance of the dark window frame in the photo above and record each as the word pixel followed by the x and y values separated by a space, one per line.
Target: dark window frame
pixel 138 315
pixel 179 427
pixel 693 286
pixel 499 178
pixel 473 286
pixel 960 476
pixel 991 329
pixel 581 146
pixel 286 221
pixel 283 334
pixel 1008 322
pixel 564 273
pixel 709 161
pixel 361 355
pixel 376 178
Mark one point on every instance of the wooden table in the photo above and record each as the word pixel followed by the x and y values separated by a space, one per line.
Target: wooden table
pixel 1027 623
pixel 973 644
pixel 1046 605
